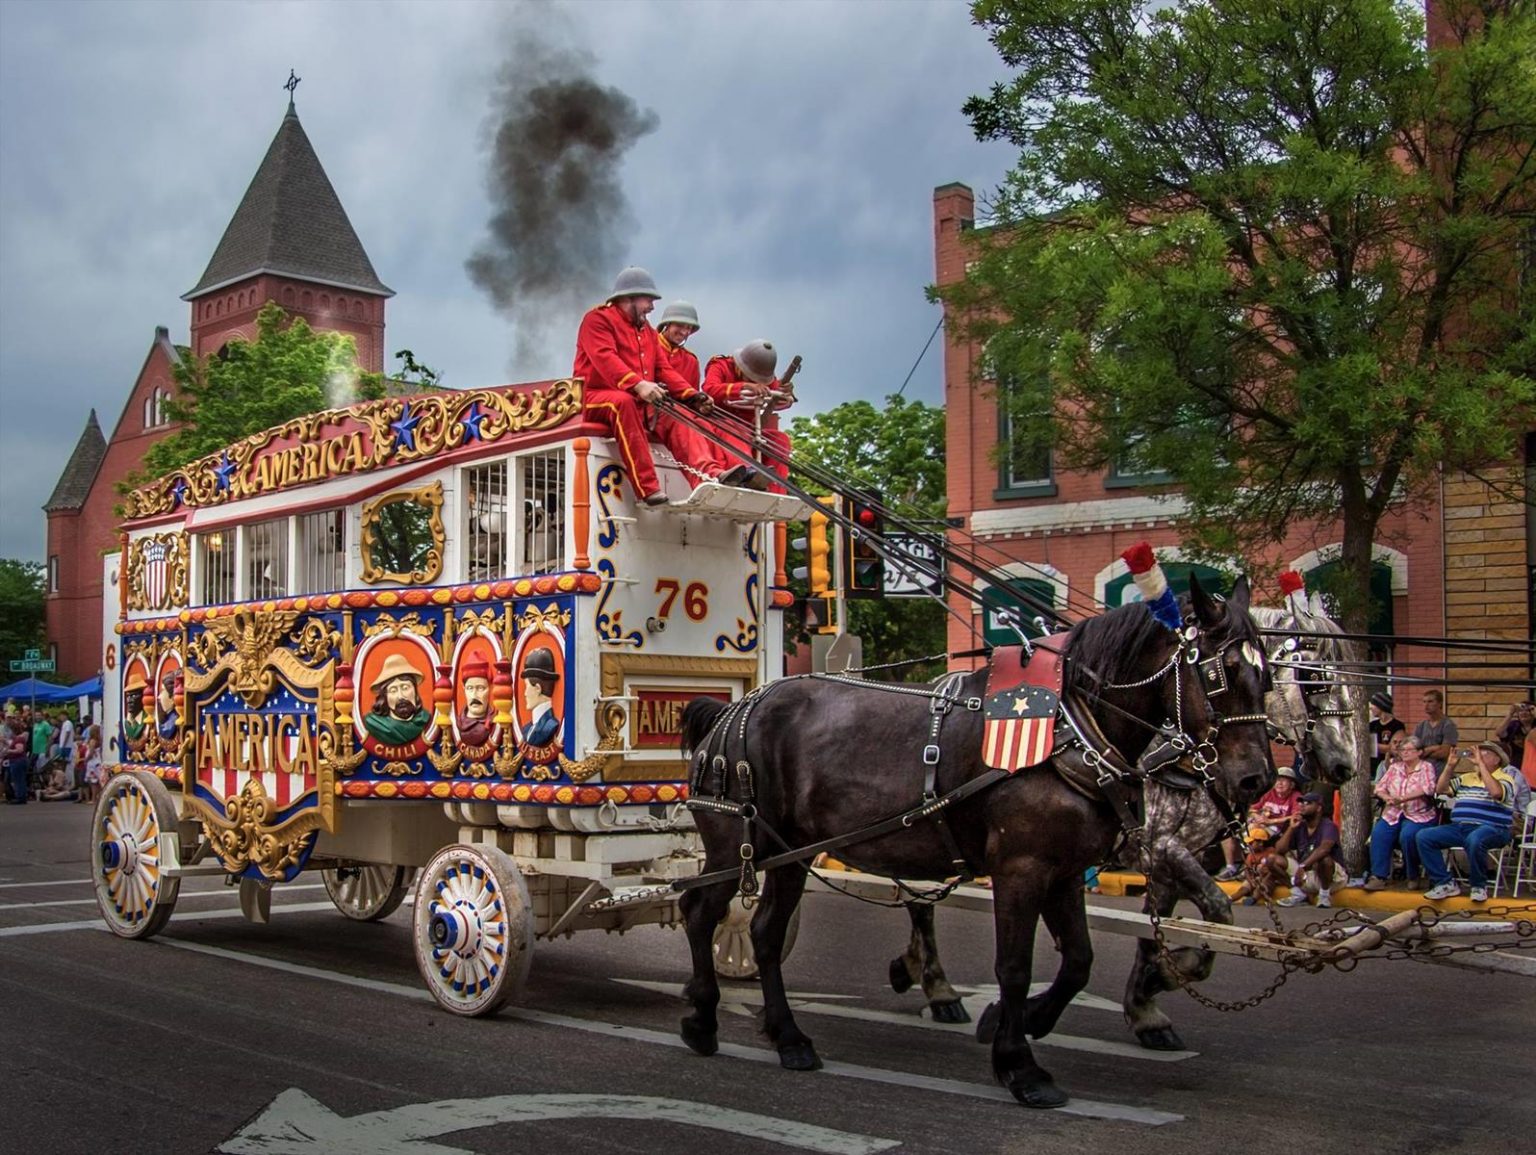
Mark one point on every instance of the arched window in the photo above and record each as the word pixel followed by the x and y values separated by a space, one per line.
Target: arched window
pixel 306 299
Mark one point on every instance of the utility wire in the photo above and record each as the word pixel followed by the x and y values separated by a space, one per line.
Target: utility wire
pixel 921 355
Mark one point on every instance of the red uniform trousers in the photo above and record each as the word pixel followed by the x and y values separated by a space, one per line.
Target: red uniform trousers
pixel 624 415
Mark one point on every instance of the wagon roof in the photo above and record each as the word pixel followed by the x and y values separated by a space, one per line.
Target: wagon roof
pixel 359 438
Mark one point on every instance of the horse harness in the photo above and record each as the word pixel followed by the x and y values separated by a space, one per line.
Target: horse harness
pixel 712 760
pixel 1175 760
pixel 1314 692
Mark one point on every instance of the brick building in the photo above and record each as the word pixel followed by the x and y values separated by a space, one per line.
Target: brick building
pixel 289 241
pixel 1459 564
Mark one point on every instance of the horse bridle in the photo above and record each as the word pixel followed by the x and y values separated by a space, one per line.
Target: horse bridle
pixel 1174 747
pixel 1312 690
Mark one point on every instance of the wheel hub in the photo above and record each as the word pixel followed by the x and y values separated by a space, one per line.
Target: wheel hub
pixel 120 854
pixel 457 929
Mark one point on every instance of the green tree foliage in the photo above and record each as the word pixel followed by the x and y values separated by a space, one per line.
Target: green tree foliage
pixel 288 371
pixel 1270 248
pixel 21 608
pixel 898 450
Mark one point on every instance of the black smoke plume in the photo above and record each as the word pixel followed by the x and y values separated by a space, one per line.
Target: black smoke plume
pixel 560 222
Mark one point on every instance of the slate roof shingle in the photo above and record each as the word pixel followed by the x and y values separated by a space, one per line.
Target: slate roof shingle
pixel 290 221
pixel 75 482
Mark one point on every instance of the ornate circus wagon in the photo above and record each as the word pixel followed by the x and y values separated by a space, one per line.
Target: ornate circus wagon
pixel 436 638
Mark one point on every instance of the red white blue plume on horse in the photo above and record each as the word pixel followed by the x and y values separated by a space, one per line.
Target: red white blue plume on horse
pixel 1153 584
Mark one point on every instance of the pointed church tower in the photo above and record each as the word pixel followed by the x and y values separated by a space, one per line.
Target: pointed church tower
pixel 290 241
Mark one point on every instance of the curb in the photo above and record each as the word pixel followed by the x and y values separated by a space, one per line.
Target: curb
pixel 1126 884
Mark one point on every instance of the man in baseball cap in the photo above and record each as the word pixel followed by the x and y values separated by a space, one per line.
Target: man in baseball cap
pixel 1312 843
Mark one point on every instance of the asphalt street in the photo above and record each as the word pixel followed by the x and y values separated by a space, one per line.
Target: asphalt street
pixel 315 1034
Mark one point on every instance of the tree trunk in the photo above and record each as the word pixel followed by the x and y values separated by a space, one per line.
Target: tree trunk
pixel 1355 799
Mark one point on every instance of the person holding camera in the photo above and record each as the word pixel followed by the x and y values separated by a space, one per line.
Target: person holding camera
pixel 1518 733
pixel 1482 787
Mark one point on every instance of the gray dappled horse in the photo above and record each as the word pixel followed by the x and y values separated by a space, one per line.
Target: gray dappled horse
pixel 1315 707
pixel 806 760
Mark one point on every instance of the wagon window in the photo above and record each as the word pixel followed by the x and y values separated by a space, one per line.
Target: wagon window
pixel 216 567
pixel 322 554
pixel 485 521
pixel 266 559
pixel 541 542
pixel 402 536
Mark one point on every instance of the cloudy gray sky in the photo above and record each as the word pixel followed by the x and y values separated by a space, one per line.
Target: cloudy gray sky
pixel 786 188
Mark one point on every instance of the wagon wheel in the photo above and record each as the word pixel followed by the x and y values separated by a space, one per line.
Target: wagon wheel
pixel 367 893
pixel 733 942
pixel 473 929
pixel 132 892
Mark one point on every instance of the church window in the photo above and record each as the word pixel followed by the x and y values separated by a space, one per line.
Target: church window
pixel 325 302
pixel 53 573
pixel 306 299
pixel 218 309
pixel 288 295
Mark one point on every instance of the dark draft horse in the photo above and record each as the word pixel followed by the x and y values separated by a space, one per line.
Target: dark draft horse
pixel 809 759
pixel 1312 708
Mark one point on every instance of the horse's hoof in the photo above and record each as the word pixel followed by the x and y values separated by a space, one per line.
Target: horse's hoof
pixel 986 1026
pixel 1041 1095
pixel 901 979
pixel 951 1012
pixel 1160 1039
pixel 700 1041
pixel 799 1057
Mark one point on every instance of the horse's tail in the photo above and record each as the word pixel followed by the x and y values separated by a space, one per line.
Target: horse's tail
pixel 698 716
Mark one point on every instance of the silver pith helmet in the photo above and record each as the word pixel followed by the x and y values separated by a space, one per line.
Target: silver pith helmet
pixel 756 360
pixel 634 282
pixel 679 313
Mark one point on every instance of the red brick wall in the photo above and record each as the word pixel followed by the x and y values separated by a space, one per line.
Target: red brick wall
pixel 80 539
pixel 1080 550
pixel 231 312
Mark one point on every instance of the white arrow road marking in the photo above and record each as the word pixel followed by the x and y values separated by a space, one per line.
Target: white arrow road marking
pixel 748 1002
pixel 1091 1108
pixel 298 1124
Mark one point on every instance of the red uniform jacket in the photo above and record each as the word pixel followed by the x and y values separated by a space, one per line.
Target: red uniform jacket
pixel 723 380
pixel 682 359
pixel 613 354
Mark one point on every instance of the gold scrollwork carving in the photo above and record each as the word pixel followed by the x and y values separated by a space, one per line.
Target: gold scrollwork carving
pixel 487 620
pixel 248 643
pixel 399 769
pixel 242 835
pixel 402 536
pixel 315 641
pixel 358 439
pixel 534 618
pixel 612 675
pixel 394 627
pixel 156 569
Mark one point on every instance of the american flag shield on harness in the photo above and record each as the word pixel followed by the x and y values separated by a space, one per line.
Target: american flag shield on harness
pixel 1018 726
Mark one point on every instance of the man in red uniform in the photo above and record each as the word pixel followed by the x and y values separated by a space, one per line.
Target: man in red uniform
pixel 679 321
pixel 624 372
pixel 744 382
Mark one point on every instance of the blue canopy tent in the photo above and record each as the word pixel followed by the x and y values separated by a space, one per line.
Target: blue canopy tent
pixel 28 689
pixel 90 688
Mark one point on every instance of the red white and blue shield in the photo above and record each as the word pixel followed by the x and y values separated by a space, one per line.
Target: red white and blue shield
pixel 156 580
pixel 1018 726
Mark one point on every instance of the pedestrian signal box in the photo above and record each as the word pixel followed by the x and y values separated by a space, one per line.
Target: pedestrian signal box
pixel 865 565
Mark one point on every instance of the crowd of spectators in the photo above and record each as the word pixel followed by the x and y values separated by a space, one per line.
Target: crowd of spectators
pixel 46 758
pixel 1433 794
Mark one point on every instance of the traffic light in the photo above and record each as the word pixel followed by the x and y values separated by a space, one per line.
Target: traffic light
pixel 817 544
pixel 865 565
